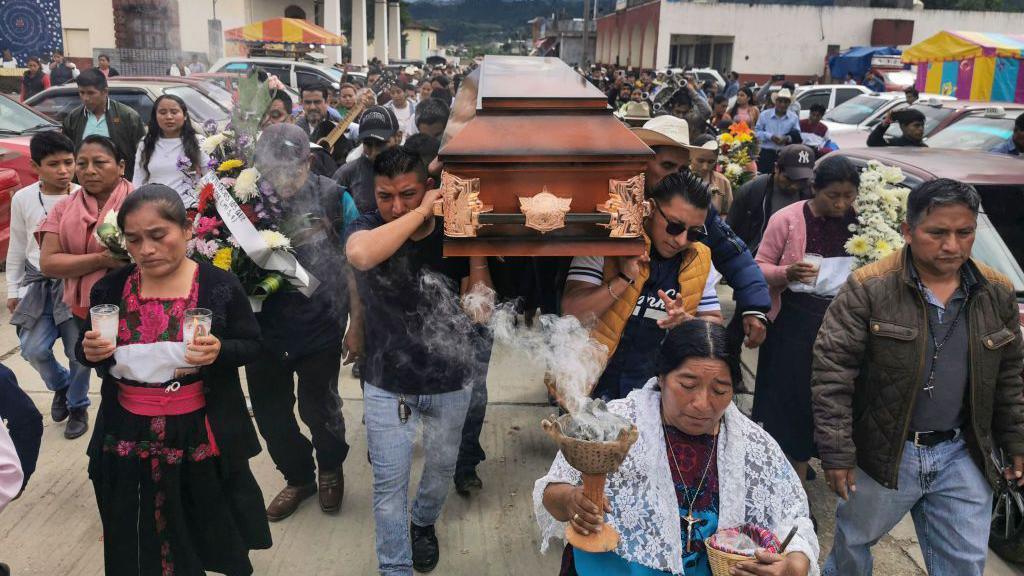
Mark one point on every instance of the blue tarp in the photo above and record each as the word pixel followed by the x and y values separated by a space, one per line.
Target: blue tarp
pixel 857 60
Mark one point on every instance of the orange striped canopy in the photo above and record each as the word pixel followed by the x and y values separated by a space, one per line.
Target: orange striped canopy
pixel 285 31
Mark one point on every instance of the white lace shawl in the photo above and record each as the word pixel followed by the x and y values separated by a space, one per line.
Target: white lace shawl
pixel 756 484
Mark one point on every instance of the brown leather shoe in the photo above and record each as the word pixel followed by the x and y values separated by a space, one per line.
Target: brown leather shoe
pixel 332 489
pixel 287 501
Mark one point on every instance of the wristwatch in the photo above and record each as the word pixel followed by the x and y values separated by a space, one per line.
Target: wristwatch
pixel 629 281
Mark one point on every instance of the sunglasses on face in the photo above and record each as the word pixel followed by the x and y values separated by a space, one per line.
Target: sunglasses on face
pixel 693 234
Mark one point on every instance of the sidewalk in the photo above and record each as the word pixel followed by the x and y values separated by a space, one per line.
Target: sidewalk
pixel 54 528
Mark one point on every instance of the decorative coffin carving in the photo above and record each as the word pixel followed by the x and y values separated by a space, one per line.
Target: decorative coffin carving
pixel 626 206
pixel 545 211
pixel 461 205
pixel 523 124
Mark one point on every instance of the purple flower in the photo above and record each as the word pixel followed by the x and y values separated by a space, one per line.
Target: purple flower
pixel 244 140
pixel 184 164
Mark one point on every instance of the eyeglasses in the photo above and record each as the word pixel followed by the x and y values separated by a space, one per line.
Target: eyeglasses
pixel 693 234
pixel 276 114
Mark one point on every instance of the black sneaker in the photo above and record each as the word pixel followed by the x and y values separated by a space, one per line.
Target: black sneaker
pixel 468 482
pixel 425 551
pixel 59 407
pixel 78 424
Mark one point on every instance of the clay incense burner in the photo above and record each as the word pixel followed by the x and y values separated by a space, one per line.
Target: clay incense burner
pixel 595 460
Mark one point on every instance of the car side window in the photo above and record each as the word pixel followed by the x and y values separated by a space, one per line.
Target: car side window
pixel 844 94
pixel 283 72
pixel 814 97
pixel 307 78
pixel 138 101
pixel 237 67
pixel 57 106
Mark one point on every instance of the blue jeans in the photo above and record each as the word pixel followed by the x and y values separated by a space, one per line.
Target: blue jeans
pixel 391 445
pixel 947 496
pixel 37 348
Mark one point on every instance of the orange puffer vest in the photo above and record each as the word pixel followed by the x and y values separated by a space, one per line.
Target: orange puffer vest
pixel 693 275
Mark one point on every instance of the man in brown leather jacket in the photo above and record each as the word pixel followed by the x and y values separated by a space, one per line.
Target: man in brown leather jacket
pixel 917 380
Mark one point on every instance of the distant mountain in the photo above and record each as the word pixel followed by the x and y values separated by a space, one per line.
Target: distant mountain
pixel 482 21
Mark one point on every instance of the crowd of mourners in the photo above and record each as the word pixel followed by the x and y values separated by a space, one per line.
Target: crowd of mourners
pixel 902 377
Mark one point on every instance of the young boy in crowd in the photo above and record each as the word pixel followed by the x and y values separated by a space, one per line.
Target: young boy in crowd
pixel 35 301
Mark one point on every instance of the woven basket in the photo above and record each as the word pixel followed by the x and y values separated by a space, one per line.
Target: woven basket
pixel 720 561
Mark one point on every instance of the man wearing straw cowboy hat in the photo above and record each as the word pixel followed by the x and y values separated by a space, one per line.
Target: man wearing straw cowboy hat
pixel 669 137
pixel 776 128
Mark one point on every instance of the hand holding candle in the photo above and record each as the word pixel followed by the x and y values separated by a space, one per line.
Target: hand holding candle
pixel 201 348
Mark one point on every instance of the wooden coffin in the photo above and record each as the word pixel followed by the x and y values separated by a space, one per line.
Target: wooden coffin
pixel 535 164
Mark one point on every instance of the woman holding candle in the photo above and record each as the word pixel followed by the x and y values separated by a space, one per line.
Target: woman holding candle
pixel 169 455
pixel 698 466
pixel 803 258
pixel 68 248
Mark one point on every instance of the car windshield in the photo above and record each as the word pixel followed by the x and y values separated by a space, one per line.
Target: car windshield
pixel 932 117
pixel 335 74
pixel 856 110
pixel 975 132
pixel 215 90
pixel 1000 238
pixel 200 107
pixel 14 118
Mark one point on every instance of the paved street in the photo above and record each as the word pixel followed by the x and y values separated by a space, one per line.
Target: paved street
pixel 54 528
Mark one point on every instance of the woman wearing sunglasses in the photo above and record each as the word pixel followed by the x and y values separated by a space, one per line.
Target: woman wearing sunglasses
pixel 804 260
pixel 632 302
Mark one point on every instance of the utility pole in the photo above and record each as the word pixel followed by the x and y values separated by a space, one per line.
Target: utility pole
pixel 585 60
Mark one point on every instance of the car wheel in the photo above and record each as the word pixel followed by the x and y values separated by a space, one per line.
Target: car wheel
pixel 1007 536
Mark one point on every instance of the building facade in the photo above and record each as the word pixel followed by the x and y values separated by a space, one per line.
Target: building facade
pixel 762 39
pixel 420 41
pixel 146 36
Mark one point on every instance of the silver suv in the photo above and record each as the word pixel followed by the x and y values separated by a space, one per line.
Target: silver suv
pixel 291 72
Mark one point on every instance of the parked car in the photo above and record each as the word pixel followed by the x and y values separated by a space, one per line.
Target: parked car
pixel 828 95
pixel 228 83
pixel 977 129
pixel 702 75
pixel 942 111
pixel 139 93
pixel 9 184
pixel 999 242
pixel 848 135
pixel 291 72
pixel 17 125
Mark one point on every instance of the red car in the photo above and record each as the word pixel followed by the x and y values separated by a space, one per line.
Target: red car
pixel 17 125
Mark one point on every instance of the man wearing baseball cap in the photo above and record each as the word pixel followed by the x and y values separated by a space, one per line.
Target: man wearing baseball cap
pixel 766 194
pixel 669 137
pixel 378 131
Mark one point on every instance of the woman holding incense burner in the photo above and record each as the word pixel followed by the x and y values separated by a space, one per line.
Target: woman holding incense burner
pixel 169 454
pixel 699 466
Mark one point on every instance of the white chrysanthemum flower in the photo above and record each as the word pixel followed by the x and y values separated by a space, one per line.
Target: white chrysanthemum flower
pixel 276 240
pixel 245 184
pixel 213 142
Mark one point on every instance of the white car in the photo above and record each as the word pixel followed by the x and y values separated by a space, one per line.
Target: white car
pixel 291 72
pixel 851 122
pixel 828 95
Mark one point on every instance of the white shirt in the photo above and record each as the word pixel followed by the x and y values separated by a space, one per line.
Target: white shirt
pixel 406 118
pixel 28 208
pixel 590 269
pixel 163 169
pixel 9 64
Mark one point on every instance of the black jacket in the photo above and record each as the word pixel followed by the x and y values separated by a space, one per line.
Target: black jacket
pixel 751 209
pixel 877 138
pixel 233 323
pixel 61 74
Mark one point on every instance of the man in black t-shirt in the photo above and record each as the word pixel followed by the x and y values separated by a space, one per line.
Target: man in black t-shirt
pixel 419 350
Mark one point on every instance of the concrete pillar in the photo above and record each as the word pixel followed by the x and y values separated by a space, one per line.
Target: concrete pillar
pixel 358 39
pixel 394 31
pixel 380 30
pixel 332 22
